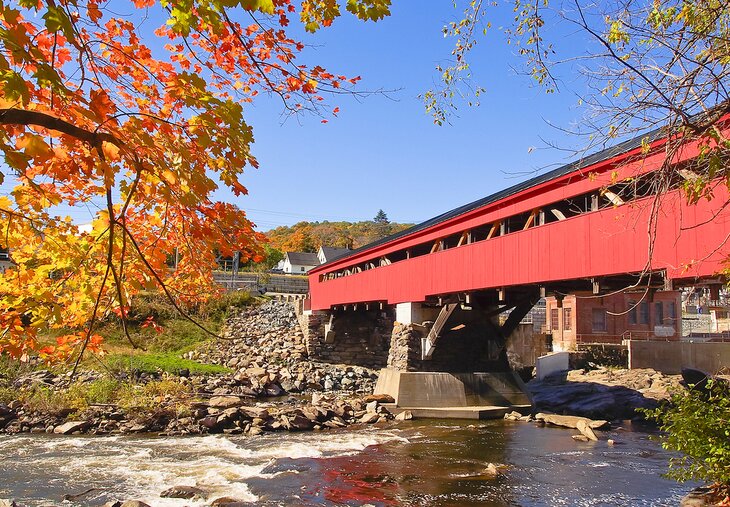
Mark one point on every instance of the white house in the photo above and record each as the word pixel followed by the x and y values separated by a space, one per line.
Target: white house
pixel 327 253
pixel 4 259
pixel 299 263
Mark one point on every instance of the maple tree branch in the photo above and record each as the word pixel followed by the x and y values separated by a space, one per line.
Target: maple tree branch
pixel 164 287
pixel 13 116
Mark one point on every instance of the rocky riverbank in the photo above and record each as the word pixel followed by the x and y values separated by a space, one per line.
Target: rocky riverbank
pixel 603 393
pixel 274 386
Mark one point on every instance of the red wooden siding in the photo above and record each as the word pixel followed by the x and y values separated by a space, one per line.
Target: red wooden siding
pixel 600 243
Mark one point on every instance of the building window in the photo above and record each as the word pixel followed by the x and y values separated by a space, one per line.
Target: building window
pixel 554 324
pixel 599 320
pixel 659 313
pixel 644 312
pixel 633 314
pixel 567 320
pixel 671 312
pixel 301 269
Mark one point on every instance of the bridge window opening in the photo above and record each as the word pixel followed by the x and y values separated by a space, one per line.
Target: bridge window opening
pixel 452 241
pixel 398 256
pixel 629 190
pixel 516 222
pixel 480 233
pixel 421 249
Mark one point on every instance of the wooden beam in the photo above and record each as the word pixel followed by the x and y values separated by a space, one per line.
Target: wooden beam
pixel 688 174
pixel 594 202
pixel 614 198
pixel 530 220
pixel 428 344
pixel 493 230
pixel 463 239
pixel 558 214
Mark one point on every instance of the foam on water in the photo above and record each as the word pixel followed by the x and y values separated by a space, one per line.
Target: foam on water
pixel 141 468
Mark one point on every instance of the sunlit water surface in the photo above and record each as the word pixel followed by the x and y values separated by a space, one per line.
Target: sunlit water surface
pixel 416 463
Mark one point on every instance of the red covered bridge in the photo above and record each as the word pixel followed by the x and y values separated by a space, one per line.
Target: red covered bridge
pixel 595 221
pixel 441 299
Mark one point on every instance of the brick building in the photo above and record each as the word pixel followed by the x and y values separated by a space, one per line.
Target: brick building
pixel 585 318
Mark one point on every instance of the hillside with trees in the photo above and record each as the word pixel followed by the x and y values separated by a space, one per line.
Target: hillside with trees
pixel 309 236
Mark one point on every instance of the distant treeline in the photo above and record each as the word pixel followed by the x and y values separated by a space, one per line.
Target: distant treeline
pixel 309 236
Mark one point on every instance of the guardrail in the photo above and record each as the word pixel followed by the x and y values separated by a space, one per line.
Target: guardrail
pixel 263 283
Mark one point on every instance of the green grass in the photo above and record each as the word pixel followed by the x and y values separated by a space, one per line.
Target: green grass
pixel 169 362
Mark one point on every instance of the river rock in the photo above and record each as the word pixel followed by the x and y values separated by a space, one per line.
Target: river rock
pixel 570 421
pixel 369 417
pixel 380 398
pixel 134 503
pixel 7 503
pixel 406 415
pixel 224 401
pixel 699 497
pixel 186 492
pixel 227 501
pixel 603 393
pixel 71 427
pixel 584 427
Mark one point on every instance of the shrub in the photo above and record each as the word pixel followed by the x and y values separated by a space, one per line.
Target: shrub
pixel 216 308
pixel 82 394
pixel 165 394
pixel 697 424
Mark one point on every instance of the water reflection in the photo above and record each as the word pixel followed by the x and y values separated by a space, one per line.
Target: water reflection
pixel 417 463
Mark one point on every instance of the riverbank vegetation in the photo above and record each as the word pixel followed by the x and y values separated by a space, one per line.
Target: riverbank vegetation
pixel 697 424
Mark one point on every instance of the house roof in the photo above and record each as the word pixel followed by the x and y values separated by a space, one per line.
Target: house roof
pixel 331 253
pixel 303 258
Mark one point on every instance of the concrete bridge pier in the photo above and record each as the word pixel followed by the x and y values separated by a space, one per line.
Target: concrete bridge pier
pixel 450 360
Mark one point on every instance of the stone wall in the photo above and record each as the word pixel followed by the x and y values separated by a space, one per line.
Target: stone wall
pixel 361 337
pixel 405 348
pixel 467 349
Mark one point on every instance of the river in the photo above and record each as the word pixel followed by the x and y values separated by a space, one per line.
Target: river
pixel 425 462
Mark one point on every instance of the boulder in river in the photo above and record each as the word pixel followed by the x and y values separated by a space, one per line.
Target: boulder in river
pixel 71 427
pixel 186 492
pixel 570 421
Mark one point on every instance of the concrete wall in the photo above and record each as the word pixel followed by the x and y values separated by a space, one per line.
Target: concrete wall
pixel 671 357
pixel 552 364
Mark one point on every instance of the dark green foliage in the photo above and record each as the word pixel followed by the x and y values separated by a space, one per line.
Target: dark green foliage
pixel 697 423
pixel 381 217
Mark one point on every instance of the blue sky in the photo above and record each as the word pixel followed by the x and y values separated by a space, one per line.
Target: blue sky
pixel 385 152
